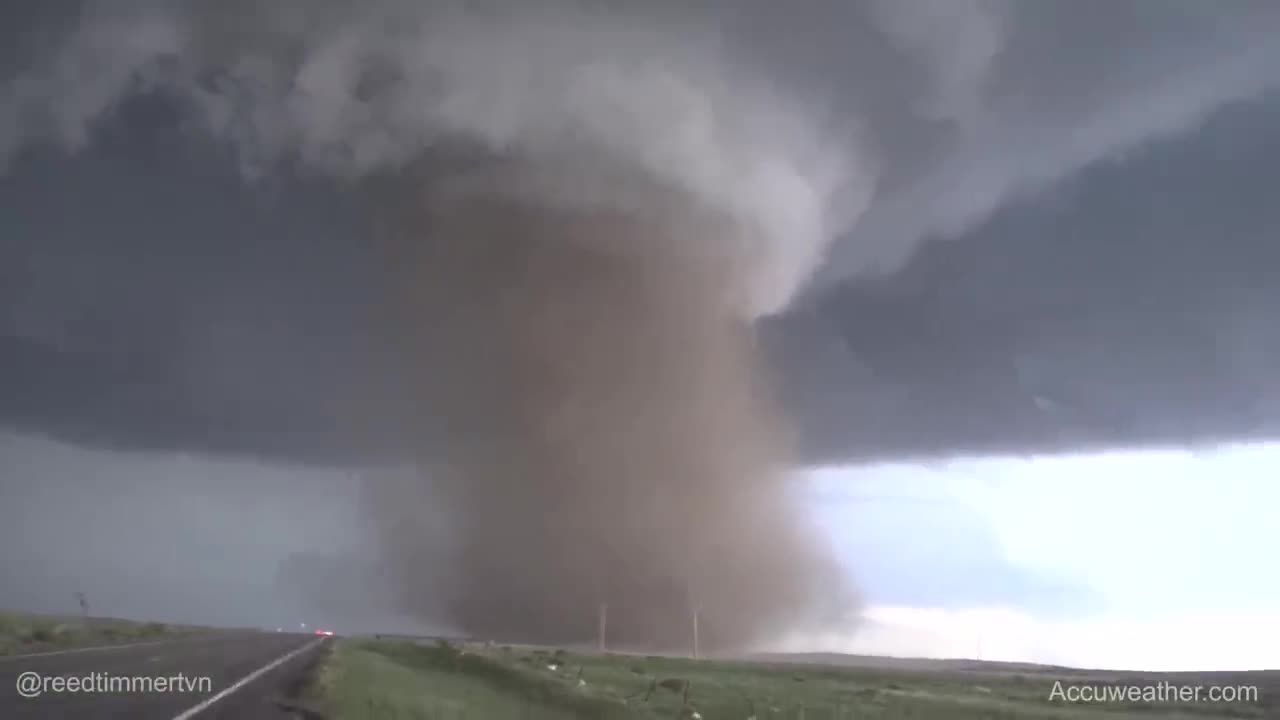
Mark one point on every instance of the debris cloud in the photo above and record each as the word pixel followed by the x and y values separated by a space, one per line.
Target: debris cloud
pixel 610 439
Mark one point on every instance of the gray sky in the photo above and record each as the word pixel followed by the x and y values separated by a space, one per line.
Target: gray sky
pixel 1046 227
pixel 988 560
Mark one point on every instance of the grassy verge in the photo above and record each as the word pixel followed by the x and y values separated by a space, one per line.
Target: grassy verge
pixel 373 679
pixel 409 681
pixel 26 633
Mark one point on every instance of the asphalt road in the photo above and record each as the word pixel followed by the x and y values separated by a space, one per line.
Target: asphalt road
pixel 249 675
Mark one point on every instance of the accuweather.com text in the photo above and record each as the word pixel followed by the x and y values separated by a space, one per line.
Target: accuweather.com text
pixel 1161 692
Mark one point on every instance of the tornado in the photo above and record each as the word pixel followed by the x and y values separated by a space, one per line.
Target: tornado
pixel 611 452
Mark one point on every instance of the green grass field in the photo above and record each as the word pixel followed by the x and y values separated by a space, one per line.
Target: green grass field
pixel 29 633
pixel 406 680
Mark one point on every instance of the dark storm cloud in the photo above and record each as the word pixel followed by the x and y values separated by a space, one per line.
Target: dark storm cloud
pixel 153 299
pixel 1129 307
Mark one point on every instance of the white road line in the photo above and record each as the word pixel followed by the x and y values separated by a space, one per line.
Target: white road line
pixel 248 679
pixel 95 648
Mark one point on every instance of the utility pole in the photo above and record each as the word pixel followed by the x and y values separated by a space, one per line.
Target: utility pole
pixel 694 598
pixel 84 605
pixel 604 618
pixel 695 634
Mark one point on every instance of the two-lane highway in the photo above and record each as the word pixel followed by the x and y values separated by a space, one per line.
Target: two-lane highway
pixel 225 675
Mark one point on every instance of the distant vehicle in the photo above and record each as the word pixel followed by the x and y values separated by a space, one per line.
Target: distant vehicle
pixel 326 633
